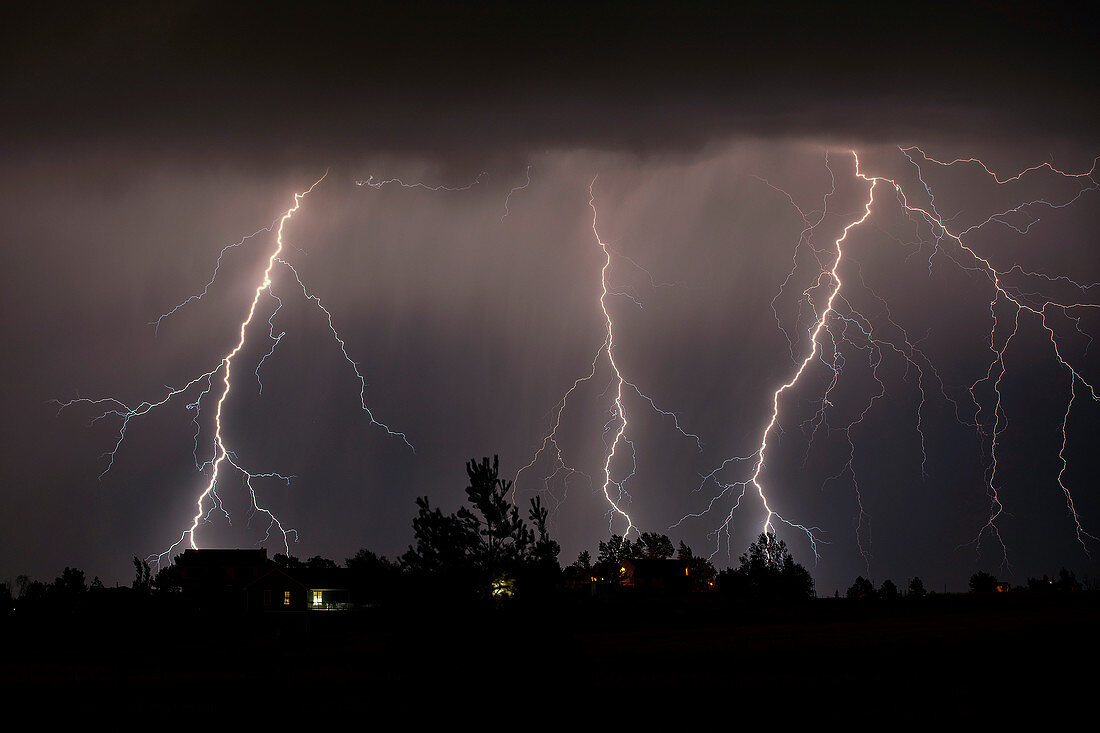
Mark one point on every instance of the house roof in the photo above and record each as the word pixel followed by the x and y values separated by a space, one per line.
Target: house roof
pixel 275 575
pixel 331 578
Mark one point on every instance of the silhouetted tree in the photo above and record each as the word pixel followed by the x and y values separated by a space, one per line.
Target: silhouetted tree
pixel 768 572
pixel 583 562
pixel 579 573
pixel 368 562
pixel 544 552
pixel 1067 581
pixel 615 550
pixel 70 583
pixel 654 546
pixel 916 588
pixel 1040 585
pixel 169 579
pixel 34 597
pixel 143 581
pixel 286 562
pixel 442 543
pixel 320 563
pixel 888 591
pixel 372 576
pixel 484 547
pixel 861 590
pixel 502 538
pixel 982 582
pixel 703 573
pixel 65 594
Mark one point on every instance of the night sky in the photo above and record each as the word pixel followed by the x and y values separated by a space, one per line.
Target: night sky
pixel 139 142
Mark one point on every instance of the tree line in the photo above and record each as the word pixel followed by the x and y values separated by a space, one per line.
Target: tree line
pixel 487 550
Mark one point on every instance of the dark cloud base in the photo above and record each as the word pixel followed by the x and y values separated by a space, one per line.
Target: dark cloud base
pixel 137 141
pixel 280 82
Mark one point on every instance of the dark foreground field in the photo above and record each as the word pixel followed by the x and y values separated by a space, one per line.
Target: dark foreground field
pixel 583 659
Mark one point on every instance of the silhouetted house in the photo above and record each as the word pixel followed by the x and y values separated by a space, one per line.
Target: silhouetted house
pixel 328 589
pixel 276 591
pixel 1002 586
pixel 667 576
pixel 216 579
pixel 299 590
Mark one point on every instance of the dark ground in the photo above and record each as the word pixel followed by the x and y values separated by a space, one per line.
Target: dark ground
pixel 618 658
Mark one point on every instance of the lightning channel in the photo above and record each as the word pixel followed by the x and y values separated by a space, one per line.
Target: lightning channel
pixel 215 456
pixel 616 441
pixel 838 327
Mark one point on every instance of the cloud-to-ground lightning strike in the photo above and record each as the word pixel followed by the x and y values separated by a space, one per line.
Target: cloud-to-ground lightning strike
pixel 617 423
pixel 208 501
pixel 837 323
pixel 844 319
pixel 1022 302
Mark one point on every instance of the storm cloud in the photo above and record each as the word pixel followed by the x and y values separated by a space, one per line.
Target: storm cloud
pixel 139 142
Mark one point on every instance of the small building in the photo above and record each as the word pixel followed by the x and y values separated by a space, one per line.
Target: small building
pixel 215 579
pixel 276 591
pixel 299 590
pixel 667 576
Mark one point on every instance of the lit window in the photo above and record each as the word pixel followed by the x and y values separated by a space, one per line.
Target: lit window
pixel 286 598
pixel 316 598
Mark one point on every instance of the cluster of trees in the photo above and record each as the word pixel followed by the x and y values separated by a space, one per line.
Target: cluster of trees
pixel 768 573
pixel 864 590
pixel 71 593
pixel 648 546
pixel 487 547
pixel 983 582
pixel 980 582
pixel 1065 582
pixel 65 593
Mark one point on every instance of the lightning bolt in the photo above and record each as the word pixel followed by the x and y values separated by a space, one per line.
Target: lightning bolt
pixel 508 198
pixel 371 183
pixel 837 332
pixel 838 325
pixel 223 459
pixel 613 488
pixel 1022 304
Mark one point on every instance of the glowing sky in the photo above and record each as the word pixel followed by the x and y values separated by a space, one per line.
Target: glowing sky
pixel 139 143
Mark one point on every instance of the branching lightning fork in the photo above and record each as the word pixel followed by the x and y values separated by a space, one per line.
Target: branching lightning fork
pixel 613 488
pixel 223 457
pixel 837 331
pixel 837 325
